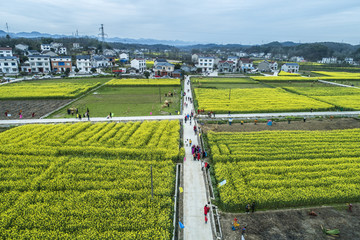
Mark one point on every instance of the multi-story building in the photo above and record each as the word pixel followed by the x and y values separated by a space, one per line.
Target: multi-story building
pixel 9 65
pixel 124 57
pixel 164 69
pixel 139 64
pixel 61 64
pixel 349 60
pixel 99 61
pixel 6 52
pixel 83 63
pixel 331 60
pixel 235 61
pixel 226 66
pixel 22 47
pixel 26 67
pixel 62 50
pixel 45 47
pixel 39 63
pixel 246 64
pixel 206 64
pixel 290 67
pixel 266 66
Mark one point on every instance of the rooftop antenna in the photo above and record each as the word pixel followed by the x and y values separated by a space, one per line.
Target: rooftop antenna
pixel 102 34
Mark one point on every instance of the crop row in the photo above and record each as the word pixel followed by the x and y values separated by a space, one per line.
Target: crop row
pixel 286 168
pixel 347 98
pixel 40 90
pixel 70 181
pixel 143 82
pixel 255 100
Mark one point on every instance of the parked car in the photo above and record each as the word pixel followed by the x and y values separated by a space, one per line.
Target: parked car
pixel 47 76
pixel 35 77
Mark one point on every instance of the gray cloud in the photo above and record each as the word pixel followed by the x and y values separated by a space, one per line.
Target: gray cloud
pixel 226 21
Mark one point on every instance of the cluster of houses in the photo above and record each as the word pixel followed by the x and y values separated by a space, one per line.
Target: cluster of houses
pixel 239 64
pixel 53 58
pixel 161 68
pixel 48 61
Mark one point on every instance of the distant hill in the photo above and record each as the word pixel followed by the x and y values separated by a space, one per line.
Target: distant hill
pixel 146 41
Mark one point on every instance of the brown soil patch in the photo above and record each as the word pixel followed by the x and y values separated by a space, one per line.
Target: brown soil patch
pixel 294 224
pixel 310 124
pixel 39 107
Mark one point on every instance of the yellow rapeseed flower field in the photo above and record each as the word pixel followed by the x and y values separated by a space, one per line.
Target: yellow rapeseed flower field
pixel 37 90
pixel 143 82
pixel 88 181
pixel 286 168
pixel 255 100
pixel 341 97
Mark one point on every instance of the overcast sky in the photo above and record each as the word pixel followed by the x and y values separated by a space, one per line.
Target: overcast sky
pixel 204 21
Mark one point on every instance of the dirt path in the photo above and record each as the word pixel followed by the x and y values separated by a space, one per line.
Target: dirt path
pixel 294 224
pixel 310 124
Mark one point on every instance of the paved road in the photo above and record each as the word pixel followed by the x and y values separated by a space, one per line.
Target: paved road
pixel 194 185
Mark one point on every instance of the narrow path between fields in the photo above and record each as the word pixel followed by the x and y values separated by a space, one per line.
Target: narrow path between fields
pixel 337 84
pixel 194 185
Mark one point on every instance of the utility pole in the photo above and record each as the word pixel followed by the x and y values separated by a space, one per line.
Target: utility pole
pixel 102 34
pixel 159 95
pixel 8 33
pixel 152 186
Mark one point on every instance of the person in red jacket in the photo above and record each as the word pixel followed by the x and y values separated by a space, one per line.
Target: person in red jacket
pixel 206 209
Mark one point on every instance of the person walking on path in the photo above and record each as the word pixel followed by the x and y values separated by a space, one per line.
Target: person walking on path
pixel 253 207
pixel 247 208
pixel 206 209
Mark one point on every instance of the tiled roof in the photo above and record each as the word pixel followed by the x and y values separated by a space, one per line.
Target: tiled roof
pixel 9 57
pixel 83 57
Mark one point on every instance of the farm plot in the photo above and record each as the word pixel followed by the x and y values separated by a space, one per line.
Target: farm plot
pixel 88 181
pixel 143 82
pixel 44 90
pixel 286 168
pixel 341 97
pixel 255 100
pixel 225 83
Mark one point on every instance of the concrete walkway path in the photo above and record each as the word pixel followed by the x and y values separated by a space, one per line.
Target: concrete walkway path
pixel 92 119
pixel 194 185
pixel 337 84
pixel 279 115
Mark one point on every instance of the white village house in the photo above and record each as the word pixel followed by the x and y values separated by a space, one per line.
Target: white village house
pixel 6 52
pixel 39 63
pixel 206 64
pixel 139 64
pixel 9 65
pixel 83 63
pixel 99 61
pixel 290 67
